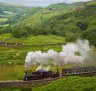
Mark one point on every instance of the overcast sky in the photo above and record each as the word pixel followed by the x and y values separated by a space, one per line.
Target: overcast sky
pixel 39 2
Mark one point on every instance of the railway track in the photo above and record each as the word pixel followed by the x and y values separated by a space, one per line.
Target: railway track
pixel 21 83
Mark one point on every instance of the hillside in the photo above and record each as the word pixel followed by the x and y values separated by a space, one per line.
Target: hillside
pixel 10 14
pixel 65 7
pixel 51 12
pixel 71 24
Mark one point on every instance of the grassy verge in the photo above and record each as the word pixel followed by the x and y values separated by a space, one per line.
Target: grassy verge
pixel 63 84
pixel 70 84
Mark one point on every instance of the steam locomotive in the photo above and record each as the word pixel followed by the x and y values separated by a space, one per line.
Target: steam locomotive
pixel 42 74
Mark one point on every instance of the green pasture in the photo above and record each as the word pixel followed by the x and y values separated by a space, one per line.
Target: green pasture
pixel 39 39
pixel 3 19
pixel 4 36
pixel 11 72
pixel 17 54
pixel 5 25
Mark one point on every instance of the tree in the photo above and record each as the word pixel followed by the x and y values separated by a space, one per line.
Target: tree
pixel 82 25
pixel 70 37
pixel 90 35
pixel 6 29
pixel 17 33
pixel 29 29
pixel 24 32
pixel 20 32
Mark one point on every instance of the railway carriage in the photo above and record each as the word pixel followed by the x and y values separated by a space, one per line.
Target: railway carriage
pixel 79 71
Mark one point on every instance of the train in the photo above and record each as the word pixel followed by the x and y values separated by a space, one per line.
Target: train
pixel 42 74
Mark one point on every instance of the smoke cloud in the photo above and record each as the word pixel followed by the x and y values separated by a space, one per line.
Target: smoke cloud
pixel 71 53
pixel 43 68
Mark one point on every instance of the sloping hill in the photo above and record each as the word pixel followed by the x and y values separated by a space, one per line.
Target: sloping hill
pixel 13 8
pixel 74 21
pixel 50 12
pixel 65 7
pixel 14 13
pixel 61 23
pixel 57 18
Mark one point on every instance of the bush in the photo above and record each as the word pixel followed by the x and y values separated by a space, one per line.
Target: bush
pixel 20 32
pixel 26 89
pixel 70 37
pixel 90 35
pixel 82 25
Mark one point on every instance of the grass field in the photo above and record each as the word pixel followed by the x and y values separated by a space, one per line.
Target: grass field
pixel 39 39
pixel 11 72
pixel 20 52
pixel 62 84
pixel 4 36
pixel 3 19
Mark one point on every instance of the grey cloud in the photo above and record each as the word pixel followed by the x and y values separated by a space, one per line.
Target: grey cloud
pixel 40 2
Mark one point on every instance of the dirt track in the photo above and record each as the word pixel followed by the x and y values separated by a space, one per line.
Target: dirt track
pixel 21 83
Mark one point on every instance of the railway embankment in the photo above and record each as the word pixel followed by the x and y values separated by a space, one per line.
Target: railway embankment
pixel 21 83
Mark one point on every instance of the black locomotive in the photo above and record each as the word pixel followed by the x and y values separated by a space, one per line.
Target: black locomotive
pixel 40 74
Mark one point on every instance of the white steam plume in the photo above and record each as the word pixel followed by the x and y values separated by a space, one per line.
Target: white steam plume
pixel 71 53
pixel 47 69
pixel 43 68
pixel 39 68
